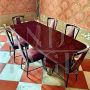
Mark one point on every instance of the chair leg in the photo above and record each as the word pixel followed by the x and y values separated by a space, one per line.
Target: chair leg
pixel 53 69
pixel 67 77
pixel 14 55
pixel 50 71
pixel 43 63
pixel 76 74
pixel 27 68
pixel 21 63
pixel 10 50
pixel 27 46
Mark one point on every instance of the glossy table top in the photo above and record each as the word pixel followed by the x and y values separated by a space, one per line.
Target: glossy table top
pixel 52 43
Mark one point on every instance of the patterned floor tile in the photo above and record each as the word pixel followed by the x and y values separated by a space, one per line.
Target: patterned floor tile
pixel 2 33
pixel 3 38
pixel 86 65
pixel 28 86
pixel 50 87
pixel 4 56
pixel 1 44
pixel 8 85
pixel 5 47
pixel 87 76
pixel 11 72
pixel 18 58
pixel 2 65
pixel 53 79
pixel 34 76
pixel 80 83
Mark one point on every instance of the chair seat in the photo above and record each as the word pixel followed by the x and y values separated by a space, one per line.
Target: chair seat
pixel 34 55
pixel 22 42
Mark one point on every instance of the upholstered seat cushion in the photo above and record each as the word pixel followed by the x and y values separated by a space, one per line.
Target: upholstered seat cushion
pixel 34 55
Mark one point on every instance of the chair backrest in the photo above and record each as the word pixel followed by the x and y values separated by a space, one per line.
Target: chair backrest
pixel 18 19
pixel 9 36
pixel 72 30
pixel 51 22
pixel 80 57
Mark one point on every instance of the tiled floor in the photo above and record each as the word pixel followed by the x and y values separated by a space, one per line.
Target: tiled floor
pixel 12 77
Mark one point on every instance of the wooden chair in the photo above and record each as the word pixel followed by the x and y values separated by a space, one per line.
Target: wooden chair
pixel 13 42
pixel 31 55
pixel 52 23
pixel 72 63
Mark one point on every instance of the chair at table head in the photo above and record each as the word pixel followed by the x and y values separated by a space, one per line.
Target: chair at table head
pixel 75 62
pixel 78 58
pixel 72 30
pixel 51 22
pixel 17 19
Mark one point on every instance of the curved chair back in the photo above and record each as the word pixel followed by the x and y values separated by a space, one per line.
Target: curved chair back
pixel 17 19
pixel 9 36
pixel 80 57
pixel 51 22
pixel 72 30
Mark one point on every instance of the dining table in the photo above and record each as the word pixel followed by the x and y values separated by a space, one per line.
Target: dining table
pixel 53 44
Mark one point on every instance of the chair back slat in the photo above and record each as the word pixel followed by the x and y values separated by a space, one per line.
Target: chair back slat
pixel 77 29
